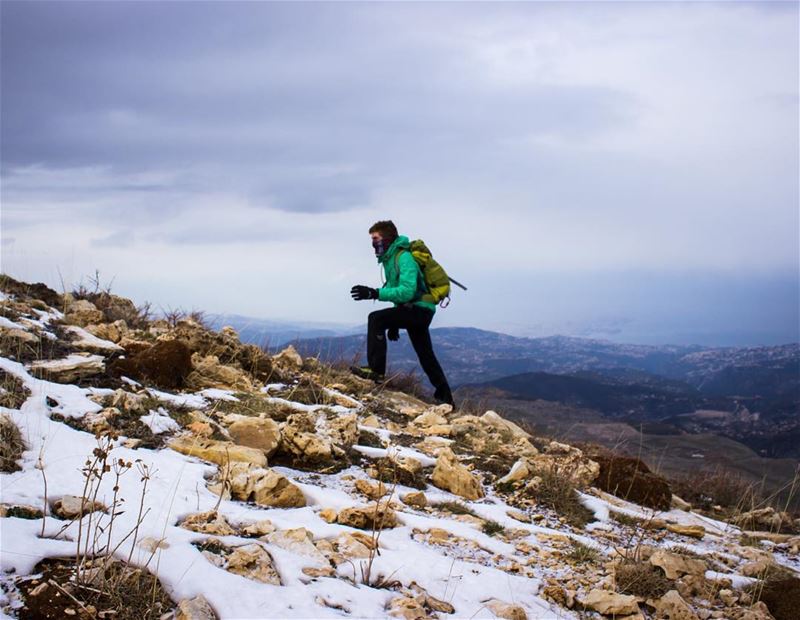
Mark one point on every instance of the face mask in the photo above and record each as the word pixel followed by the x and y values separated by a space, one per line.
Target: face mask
pixel 378 245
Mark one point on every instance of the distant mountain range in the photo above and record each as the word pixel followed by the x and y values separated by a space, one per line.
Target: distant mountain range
pixel 274 334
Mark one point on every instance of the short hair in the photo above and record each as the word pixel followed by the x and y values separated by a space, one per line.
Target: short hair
pixel 386 228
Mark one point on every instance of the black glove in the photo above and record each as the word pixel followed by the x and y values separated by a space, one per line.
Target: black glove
pixel 360 292
pixel 393 333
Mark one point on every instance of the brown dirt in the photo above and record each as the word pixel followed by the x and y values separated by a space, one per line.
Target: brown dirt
pixel 166 364
pixel 630 479
pixel 31 291
pixel 782 597
pixel 138 595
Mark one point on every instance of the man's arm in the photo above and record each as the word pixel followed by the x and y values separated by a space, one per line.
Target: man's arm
pixel 407 283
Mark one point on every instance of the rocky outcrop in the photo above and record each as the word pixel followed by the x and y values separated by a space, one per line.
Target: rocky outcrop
pixel 82 312
pixel 450 475
pixel 70 369
pixel 254 562
pixel 209 372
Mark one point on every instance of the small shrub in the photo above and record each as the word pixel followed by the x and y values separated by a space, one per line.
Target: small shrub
pixel 490 528
pixel 582 554
pixel 557 492
pixel 11 445
pixel 13 392
pixel 629 478
pixel 642 579
pixel 626 520
pixel 456 508
pixel 720 487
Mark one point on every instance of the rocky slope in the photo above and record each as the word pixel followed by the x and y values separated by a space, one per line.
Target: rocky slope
pixel 278 486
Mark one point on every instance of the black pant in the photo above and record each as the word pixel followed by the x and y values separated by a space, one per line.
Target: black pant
pixel 415 320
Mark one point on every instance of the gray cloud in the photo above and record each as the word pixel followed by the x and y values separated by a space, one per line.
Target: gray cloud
pixel 579 139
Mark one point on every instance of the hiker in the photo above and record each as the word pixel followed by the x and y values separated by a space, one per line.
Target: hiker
pixel 405 287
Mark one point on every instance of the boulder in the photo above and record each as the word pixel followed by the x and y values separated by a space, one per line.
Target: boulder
pixel 675 565
pixel 82 312
pixel 508 611
pixel 260 433
pixel 254 562
pixel 209 372
pixel 116 309
pixel 219 452
pixel 403 470
pixel 519 471
pixel 342 430
pixel 259 528
pixel 265 487
pixel 429 418
pixel 369 517
pixel 113 332
pixel 450 475
pixel 493 420
pixel 71 369
pixel 610 603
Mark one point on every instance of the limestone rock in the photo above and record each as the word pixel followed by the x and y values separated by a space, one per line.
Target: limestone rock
pixel 209 372
pixel 219 452
pixel 69 507
pixel 693 531
pixel 83 312
pixel 254 562
pixel 429 418
pixel 328 515
pixel 342 430
pixel 610 603
pixel 508 611
pixel 415 498
pixel 210 522
pixel 299 438
pixel 371 490
pixel 492 419
pixel 260 433
pixel 519 471
pixel 288 359
pixel 259 528
pixel 675 565
pixel 70 369
pixel 672 606
pixel 368 517
pixel 298 540
pixel 196 608
pixel 263 486
pixel 680 504
pixel 407 608
pixel 450 475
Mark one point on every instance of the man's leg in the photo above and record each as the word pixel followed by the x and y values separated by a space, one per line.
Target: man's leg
pixel 377 324
pixel 420 338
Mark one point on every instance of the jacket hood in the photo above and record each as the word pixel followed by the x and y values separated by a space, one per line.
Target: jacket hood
pixel 401 242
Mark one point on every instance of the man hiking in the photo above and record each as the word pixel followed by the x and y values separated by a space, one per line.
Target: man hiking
pixel 405 287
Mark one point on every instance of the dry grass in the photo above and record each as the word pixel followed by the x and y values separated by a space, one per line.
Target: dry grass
pixel 11 445
pixel 641 579
pixel 490 528
pixel 456 508
pixel 708 488
pixel 557 492
pixel 583 554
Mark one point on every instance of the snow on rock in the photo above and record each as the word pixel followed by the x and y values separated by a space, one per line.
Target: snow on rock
pixel 158 421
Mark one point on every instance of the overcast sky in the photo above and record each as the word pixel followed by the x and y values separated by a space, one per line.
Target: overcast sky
pixel 625 171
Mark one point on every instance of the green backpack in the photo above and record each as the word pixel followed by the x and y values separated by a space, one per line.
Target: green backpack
pixel 434 277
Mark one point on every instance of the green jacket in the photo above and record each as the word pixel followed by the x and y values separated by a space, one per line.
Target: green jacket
pixel 404 281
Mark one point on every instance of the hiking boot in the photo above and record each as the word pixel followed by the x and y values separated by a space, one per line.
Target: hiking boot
pixel 444 397
pixel 365 372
